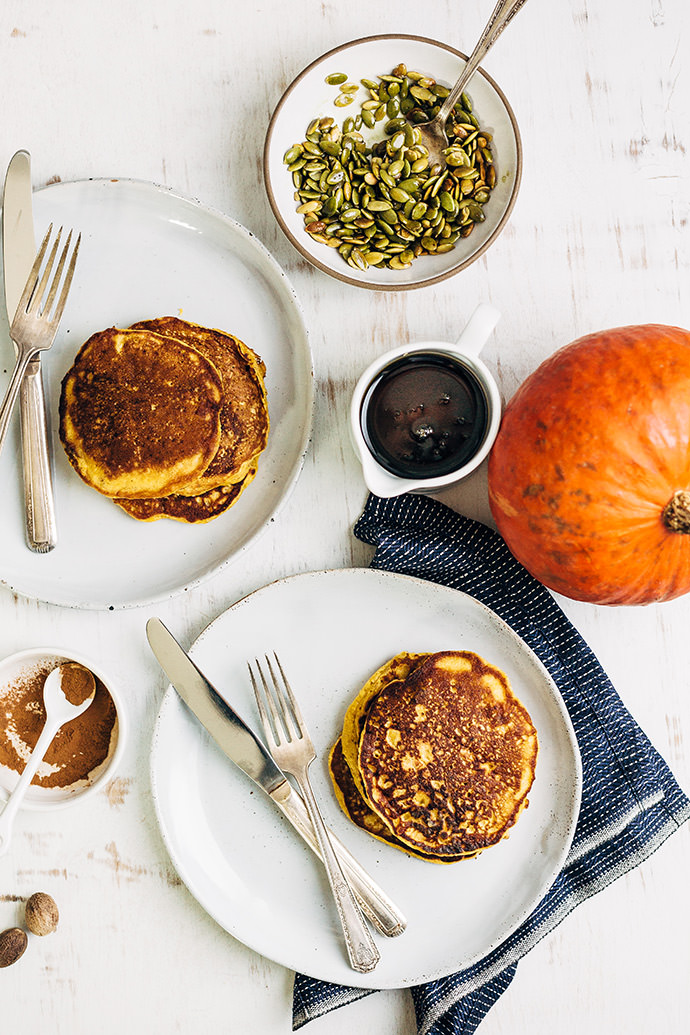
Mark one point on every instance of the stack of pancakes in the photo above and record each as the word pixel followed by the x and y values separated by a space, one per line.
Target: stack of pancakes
pixel 166 418
pixel 437 755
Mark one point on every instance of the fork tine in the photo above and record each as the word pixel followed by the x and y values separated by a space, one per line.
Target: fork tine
pixel 288 689
pixel 258 696
pixel 67 282
pixel 43 283
pixel 58 273
pixel 277 728
pixel 30 285
pixel 289 719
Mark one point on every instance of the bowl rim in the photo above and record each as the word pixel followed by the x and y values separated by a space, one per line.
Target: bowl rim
pixel 113 761
pixel 346 278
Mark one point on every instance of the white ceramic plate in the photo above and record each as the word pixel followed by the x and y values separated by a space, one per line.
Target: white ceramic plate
pixel 243 862
pixel 147 251
pixel 309 96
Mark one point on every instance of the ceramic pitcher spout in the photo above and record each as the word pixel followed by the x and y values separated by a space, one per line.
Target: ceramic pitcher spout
pixel 380 482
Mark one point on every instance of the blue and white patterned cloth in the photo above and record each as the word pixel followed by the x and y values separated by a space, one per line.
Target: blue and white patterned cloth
pixel 630 801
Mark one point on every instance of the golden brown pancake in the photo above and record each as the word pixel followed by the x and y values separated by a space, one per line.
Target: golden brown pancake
pixel 447 756
pixel 243 412
pixel 397 668
pixel 190 509
pixel 357 810
pixel 140 413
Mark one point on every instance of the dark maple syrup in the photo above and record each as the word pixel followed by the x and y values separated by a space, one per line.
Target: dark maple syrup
pixel 424 416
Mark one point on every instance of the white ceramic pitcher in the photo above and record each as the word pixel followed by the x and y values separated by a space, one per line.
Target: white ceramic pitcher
pixel 466 351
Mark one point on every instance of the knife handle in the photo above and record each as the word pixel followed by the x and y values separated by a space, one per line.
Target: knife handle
pixel 41 527
pixel 374 902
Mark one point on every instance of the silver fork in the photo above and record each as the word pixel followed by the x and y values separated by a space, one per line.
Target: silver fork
pixel 36 322
pixel 292 749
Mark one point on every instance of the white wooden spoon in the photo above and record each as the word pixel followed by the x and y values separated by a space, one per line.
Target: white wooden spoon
pixel 59 710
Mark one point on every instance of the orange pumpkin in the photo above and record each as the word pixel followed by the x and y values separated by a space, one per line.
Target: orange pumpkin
pixel 589 478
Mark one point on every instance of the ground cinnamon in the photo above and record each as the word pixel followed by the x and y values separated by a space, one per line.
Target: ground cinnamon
pixel 78 748
pixel 76 682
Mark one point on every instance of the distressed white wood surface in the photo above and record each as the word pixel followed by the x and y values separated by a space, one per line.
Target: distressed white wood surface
pixel 180 93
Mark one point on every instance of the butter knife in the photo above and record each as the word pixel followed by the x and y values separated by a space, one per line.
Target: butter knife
pixel 243 748
pixel 18 253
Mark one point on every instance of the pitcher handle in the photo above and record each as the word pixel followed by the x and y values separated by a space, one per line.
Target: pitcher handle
pixel 478 328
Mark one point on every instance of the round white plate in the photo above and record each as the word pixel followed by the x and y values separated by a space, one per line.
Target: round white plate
pixel 244 863
pixel 146 252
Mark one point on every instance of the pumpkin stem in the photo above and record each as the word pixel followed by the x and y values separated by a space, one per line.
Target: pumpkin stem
pixel 676 513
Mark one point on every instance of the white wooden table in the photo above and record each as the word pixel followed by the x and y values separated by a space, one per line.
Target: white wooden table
pixel 181 93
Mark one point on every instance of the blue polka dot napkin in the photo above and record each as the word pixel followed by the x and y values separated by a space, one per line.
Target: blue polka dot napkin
pixel 630 801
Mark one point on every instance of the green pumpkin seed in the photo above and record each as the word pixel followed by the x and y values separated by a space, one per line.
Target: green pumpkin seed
pixel 421 93
pixel 411 185
pixel 336 78
pixel 476 212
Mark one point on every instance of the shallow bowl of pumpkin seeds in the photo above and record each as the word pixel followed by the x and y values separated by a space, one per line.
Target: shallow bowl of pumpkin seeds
pixel 351 184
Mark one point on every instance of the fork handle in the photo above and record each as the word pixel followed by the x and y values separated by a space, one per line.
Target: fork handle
pixel 361 949
pixel 41 527
pixel 374 902
pixel 24 357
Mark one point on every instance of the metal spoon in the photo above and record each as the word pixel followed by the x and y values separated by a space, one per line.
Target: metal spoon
pixel 433 133
pixel 59 710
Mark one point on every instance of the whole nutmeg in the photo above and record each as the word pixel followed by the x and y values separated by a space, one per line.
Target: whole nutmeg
pixel 41 914
pixel 13 942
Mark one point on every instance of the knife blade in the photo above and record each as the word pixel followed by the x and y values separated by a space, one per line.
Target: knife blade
pixel 242 747
pixel 19 250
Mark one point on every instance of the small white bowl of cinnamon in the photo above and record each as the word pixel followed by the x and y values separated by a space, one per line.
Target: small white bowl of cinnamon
pixel 85 752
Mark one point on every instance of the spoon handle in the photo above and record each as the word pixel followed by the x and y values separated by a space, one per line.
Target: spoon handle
pixel 502 14
pixel 16 797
